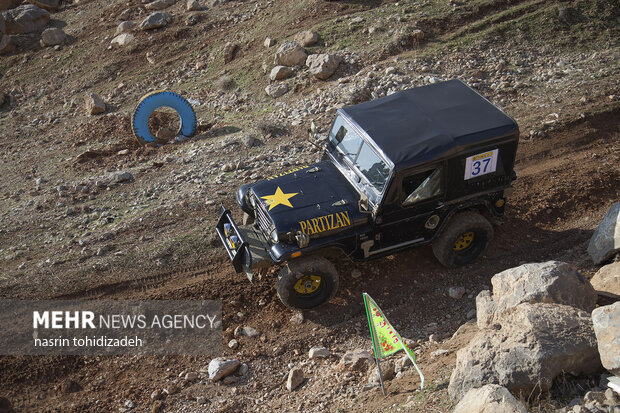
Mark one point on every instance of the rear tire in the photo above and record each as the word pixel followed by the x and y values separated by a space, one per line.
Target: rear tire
pixel 307 283
pixel 465 238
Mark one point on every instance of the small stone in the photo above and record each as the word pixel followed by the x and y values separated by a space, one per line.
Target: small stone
pixel 230 49
pixel 125 27
pixel 390 70
pixel 156 395
pixel 471 314
pixel 129 404
pixel 52 37
pixel 233 344
pixel 277 90
pixel 307 38
pixel 123 39
pixel 243 370
pixel 193 5
pixel 295 378
pixel 290 54
pixel 250 332
pixel 201 400
pixel 356 273
pixel 297 318
pixel 322 66
pixel 456 292
pixel 280 72
pixel 191 376
pixel 155 21
pixel 318 352
pixel 7 45
pixel 94 104
pixel 220 367
pixel 269 42
pixel 159 4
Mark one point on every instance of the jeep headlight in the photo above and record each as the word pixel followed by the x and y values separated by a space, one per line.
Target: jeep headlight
pixel 302 240
pixel 274 236
pixel 252 201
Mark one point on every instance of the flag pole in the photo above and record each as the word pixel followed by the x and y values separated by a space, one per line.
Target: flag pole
pixel 380 375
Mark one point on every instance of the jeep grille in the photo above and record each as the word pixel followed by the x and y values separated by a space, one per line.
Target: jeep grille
pixel 262 217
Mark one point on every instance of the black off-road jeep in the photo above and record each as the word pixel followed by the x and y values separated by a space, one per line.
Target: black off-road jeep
pixel 421 166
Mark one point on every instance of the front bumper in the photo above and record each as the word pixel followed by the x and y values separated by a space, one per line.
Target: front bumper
pixel 246 246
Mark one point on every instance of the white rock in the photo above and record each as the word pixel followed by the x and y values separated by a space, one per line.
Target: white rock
pixel 533 344
pixel 124 27
pixel 220 367
pixel 94 104
pixel 159 4
pixel 490 398
pixel 318 352
pixel 322 66
pixel 357 360
pixel 546 282
pixel 307 38
pixel 606 321
pixel 280 72
pixel 123 39
pixel 193 5
pixel 295 378
pixel 290 54
pixel 155 21
pixel 277 90
pixel 605 241
pixel 607 279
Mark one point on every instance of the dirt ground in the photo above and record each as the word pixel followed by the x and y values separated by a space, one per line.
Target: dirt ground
pixel 163 246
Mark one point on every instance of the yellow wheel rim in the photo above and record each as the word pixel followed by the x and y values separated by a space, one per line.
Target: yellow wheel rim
pixel 308 284
pixel 463 241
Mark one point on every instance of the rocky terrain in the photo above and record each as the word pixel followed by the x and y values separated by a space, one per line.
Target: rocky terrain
pixel 86 211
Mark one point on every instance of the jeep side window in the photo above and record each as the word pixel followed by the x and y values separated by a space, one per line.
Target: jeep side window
pixel 422 186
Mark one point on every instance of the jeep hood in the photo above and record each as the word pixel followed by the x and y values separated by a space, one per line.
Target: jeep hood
pixel 315 199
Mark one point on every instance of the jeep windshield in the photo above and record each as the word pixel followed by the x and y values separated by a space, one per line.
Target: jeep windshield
pixel 359 157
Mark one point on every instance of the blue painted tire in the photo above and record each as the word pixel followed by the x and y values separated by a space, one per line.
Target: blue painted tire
pixel 162 98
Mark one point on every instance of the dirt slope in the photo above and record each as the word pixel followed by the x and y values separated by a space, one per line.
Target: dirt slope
pixel 67 231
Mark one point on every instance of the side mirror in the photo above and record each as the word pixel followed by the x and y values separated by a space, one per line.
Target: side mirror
pixel 312 131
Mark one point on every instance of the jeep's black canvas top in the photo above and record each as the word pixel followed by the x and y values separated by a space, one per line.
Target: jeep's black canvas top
pixel 431 122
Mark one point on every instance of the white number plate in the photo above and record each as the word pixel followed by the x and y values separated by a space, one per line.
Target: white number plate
pixel 481 164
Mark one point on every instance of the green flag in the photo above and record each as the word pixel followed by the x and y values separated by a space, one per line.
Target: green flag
pixel 385 338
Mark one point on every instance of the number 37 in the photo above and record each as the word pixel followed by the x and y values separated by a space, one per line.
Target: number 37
pixel 481 165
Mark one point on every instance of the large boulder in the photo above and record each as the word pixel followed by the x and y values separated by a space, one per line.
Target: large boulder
pixel 155 21
pixel 26 18
pixel 606 321
pixel 290 54
pixel 7 45
pixel 529 346
pixel 606 239
pixel 607 279
pixel 52 37
pixel 49 5
pixel 546 282
pixel 491 398
pixel 323 66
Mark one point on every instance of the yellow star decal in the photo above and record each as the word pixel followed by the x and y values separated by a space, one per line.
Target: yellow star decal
pixel 279 198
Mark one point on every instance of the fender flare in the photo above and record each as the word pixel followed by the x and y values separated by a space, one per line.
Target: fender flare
pixel 162 98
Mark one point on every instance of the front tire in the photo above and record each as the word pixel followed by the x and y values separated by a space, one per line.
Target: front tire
pixel 307 283
pixel 465 238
